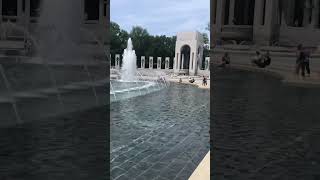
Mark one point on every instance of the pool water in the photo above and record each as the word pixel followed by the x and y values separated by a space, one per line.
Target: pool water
pixel 264 129
pixel 160 135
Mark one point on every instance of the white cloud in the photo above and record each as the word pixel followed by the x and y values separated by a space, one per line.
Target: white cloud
pixel 163 16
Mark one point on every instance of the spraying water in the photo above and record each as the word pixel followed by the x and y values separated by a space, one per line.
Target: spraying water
pixel 129 67
pixel 59 29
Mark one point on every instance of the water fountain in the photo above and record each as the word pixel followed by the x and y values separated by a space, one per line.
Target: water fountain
pixel 57 43
pixel 129 63
pixel 131 82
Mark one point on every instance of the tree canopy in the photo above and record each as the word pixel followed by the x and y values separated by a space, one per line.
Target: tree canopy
pixel 144 44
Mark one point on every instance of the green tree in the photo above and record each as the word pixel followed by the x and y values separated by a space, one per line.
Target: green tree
pixel 205 38
pixel 141 39
pixel 118 39
pixel 143 43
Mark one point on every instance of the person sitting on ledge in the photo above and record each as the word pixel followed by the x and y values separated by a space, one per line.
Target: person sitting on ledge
pixel 225 60
pixel 258 60
pixel 180 80
pixel 267 59
pixel 191 80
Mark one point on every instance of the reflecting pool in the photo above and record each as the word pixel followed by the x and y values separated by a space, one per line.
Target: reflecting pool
pixel 264 129
pixel 160 135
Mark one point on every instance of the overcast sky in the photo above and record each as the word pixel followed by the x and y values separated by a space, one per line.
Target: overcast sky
pixel 161 17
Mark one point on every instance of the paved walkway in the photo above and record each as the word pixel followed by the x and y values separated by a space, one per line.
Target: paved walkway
pixel 203 170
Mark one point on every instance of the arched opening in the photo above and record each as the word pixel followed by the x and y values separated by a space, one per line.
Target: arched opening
pixel 185 57
pixel 146 63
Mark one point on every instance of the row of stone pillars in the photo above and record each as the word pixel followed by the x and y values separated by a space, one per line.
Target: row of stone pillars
pixel 159 60
pixel 143 62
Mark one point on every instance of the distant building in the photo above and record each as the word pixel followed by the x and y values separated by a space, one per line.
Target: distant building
pixel 188 53
pixel 266 22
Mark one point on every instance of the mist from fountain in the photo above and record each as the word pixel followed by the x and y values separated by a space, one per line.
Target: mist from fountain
pixel 60 30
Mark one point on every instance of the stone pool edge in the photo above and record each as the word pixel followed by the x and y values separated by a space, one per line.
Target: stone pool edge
pixel 287 78
pixel 202 172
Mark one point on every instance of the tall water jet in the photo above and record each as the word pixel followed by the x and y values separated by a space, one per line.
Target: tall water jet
pixel 129 67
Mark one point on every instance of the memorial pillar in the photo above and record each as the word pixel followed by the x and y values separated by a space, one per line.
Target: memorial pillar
pixel 82 14
pixel 257 21
pixel 207 62
pixel 182 65
pixel 150 62
pixel 213 6
pixel 266 34
pixel 219 19
pixel 101 19
pixel 231 11
pixel 178 61
pixel 306 13
pixel 167 61
pixel 19 12
pixel 315 14
pixel 159 63
pixel 0 11
pixel 258 12
pixel 143 61
pixel 27 12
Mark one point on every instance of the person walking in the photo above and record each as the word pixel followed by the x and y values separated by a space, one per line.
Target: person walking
pixel 205 81
pixel 306 63
pixel 299 60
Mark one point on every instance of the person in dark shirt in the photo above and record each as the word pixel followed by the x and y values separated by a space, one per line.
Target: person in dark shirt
pixel 267 59
pixel 299 59
pixel 305 63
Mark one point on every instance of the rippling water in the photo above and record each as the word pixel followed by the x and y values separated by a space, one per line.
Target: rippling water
pixel 164 134
pixel 263 129
pixel 72 146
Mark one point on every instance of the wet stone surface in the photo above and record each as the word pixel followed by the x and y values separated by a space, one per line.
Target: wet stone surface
pixel 263 129
pixel 161 135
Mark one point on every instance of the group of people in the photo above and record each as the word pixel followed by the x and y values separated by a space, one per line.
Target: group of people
pixel 302 61
pixel 261 61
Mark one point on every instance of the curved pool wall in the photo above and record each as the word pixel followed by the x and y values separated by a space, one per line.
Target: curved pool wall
pixel 120 90
pixel 36 97
pixel 160 135
pixel 262 128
